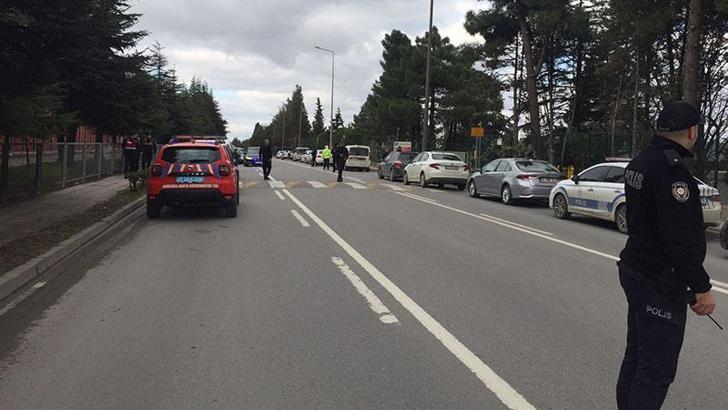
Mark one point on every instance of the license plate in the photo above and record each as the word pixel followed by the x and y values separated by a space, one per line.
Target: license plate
pixel 549 180
pixel 451 167
pixel 190 180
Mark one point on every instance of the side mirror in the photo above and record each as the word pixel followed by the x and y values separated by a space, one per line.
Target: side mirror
pixel 575 178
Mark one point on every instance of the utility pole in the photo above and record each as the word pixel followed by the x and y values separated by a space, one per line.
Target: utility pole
pixel 426 118
pixel 283 134
pixel 331 125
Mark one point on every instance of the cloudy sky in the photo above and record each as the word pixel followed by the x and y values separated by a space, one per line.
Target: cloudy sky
pixel 253 52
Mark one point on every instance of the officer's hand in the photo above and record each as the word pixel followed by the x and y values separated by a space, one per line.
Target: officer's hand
pixel 704 305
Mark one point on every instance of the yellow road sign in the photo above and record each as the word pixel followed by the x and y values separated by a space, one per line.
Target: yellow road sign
pixel 477 132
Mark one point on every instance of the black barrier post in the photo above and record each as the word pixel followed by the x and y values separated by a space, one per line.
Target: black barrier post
pixel 38 167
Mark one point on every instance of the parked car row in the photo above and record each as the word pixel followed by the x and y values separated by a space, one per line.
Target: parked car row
pixel 359 156
pixel 597 192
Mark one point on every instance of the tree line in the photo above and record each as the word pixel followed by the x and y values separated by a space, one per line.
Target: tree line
pixel 76 62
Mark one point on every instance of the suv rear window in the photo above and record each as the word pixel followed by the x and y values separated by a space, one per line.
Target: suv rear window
pixel 446 157
pixel 191 155
pixel 407 156
pixel 535 166
pixel 359 152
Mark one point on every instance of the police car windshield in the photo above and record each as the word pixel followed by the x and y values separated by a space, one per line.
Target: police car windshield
pixel 535 166
pixel 191 155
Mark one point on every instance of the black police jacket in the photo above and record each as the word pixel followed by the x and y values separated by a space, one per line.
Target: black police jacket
pixel 341 154
pixel 665 219
pixel 266 153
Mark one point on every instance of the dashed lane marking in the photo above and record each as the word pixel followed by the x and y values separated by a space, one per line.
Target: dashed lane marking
pixel 317 184
pixel 355 185
pixel 375 304
pixel 280 196
pixel 298 216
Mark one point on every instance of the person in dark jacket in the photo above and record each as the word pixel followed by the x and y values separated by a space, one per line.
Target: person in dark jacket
pixel 661 267
pixel 266 154
pixel 341 154
pixel 147 152
pixel 313 156
pixel 130 146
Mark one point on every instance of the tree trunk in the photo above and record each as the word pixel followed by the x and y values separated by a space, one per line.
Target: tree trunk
pixel 692 53
pixel 516 86
pixel 635 100
pixel 615 113
pixel 531 85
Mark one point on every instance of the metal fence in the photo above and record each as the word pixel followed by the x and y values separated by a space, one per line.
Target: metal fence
pixel 31 168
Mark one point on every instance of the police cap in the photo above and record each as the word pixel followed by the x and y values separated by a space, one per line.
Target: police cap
pixel 678 116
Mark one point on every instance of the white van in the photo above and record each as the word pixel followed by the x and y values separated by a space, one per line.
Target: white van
pixel 359 157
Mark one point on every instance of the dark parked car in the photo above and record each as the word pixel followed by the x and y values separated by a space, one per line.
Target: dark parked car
pixel 394 164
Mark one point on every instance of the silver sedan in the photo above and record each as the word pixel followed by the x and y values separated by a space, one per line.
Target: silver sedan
pixel 514 178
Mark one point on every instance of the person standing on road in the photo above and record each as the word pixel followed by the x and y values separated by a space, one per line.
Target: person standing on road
pixel 147 152
pixel 313 156
pixel 661 267
pixel 326 155
pixel 341 154
pixel 266 155
pixel 129 146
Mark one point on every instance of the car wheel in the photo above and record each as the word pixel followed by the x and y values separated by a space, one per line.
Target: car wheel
pixel 230 210
pixel 406 179
pixel 561 207
pixel 620 217
pixel 380 174
pixel 472 190
pixel 506 195
pixel 423 181
pixel 154 211
pixel 391 176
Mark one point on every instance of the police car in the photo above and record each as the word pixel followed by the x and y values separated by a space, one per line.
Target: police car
pixel 193 173
pixel 599 192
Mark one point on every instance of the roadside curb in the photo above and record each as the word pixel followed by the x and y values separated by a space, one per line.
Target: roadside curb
pixel 19 276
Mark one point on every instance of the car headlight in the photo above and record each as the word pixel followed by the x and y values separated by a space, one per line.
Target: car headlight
pixel 248 158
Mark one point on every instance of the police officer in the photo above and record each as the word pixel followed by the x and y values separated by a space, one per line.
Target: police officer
pixel 341 154
pixel 326 155
pixel 266 154
pixel 661 267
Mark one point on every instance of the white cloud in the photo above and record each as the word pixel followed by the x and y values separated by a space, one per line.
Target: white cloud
pixel 252 53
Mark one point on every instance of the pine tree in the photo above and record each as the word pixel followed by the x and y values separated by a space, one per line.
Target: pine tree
pixel 338 120
pixel 318 127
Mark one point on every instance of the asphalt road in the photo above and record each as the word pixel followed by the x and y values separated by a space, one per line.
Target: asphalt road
pixel 365 294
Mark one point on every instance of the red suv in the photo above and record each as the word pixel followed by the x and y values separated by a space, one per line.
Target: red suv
pixel 194 173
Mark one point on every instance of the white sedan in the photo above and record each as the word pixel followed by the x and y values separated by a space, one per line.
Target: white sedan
pixel 437 168
pixel 599 192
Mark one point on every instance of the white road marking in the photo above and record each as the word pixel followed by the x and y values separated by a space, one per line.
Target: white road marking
pixel 282 198
pixel 25 295
pixel 385 316
pixel 516 228
pixel 393 187
pixel 355 185
pixel 317 184
pixel 434 190
pixel 719 283
pixel 300 218
pixel 417 197
pixel 507 394
pixel 355 179
pixel 720 290
pixel 518 225
pixel 276 184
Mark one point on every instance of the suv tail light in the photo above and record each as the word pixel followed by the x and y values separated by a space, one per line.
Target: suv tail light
pixel 714 198
pixel 436 166
pixel 398 164
pixel 156 170
pixel 225 170
pixel 527 176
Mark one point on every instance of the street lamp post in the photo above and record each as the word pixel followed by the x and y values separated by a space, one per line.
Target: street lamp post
pixel 283 134
pixel 331 125
pixel 426 117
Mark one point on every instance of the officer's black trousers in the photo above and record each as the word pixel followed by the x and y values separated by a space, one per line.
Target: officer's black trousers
pixel 326 163
pixel 340 170
pixel 267 165
pixel 655 331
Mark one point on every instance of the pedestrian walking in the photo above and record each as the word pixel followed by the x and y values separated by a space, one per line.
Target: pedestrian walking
pixel 129 146
pixel 326 154
pixel 266 154
pixel 341 154
pixel 147 152
pixel 661 267
pixel 313 156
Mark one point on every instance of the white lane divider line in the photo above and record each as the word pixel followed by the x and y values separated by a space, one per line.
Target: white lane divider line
pixel 355 185
pixel 25 295
pixel 276 184
pixel 393 187
pixel 280 196
pixel 385 316
pixel 298 216
pixel 516 228
pixel 507 394
pixel 317 184
pixel 515 224
pixel 417 197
